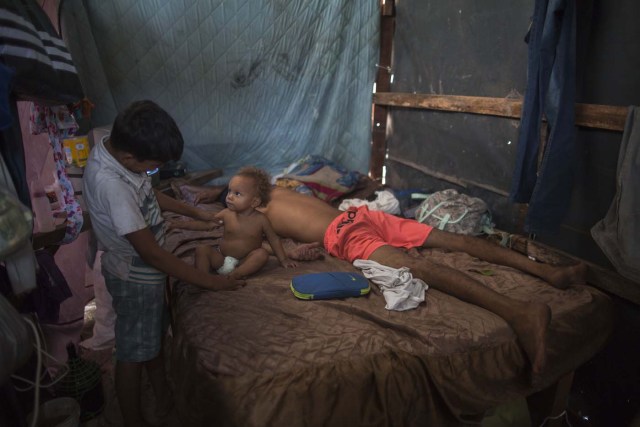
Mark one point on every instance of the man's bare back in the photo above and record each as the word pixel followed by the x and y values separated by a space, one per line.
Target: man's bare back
pixel 299 217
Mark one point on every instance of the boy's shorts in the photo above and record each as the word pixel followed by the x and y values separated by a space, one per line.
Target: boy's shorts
pixel 142 318
pixel 357 233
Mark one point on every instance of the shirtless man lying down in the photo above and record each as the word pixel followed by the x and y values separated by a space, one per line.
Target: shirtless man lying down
pixel 380 237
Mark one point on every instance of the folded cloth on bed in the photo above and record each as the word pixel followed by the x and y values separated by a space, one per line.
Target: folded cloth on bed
pixel 400 289
pixel 385 201
pixel 321 177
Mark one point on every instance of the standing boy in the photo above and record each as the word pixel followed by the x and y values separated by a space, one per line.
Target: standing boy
pixel 126 217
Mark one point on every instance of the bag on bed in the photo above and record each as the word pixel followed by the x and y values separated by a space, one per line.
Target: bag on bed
pixel 329 285
pixel 455 212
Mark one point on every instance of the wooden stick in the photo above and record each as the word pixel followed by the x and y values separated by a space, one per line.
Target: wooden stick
pixel 609 117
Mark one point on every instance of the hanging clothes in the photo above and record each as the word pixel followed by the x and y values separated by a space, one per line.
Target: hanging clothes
pixel 618 233
pixel 550 91
pixel 20 264
pixel 60 124
pixel 31 47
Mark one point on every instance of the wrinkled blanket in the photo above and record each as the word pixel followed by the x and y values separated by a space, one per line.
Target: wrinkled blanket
pixel 261 357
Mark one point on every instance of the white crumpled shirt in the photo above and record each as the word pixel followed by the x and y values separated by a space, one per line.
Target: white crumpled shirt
pixel 400 289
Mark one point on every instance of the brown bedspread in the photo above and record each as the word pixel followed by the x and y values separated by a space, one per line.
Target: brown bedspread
pixel 260 357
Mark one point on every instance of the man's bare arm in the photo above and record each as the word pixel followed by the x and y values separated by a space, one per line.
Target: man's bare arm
pixel 276 244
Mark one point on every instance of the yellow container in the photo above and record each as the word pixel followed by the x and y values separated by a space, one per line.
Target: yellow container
pixel 76 150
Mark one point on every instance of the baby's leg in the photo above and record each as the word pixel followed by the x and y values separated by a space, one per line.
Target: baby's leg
pixel 207 257
pixel 252 263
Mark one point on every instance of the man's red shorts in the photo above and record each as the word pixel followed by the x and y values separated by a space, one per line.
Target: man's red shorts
pixel 356 233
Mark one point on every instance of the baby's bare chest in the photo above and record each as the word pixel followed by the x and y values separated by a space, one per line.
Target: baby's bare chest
pixel 243 227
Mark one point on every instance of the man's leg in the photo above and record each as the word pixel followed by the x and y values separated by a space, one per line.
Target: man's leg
pixel 528 320
pixel 559 276
pixel 298 251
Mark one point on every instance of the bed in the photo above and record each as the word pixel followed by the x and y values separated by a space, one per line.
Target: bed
pixel 260 357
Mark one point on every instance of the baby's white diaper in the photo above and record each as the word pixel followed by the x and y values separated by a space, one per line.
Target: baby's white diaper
pixel 228 266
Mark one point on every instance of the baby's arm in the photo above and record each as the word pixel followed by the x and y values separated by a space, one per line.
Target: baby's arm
pixel 276 244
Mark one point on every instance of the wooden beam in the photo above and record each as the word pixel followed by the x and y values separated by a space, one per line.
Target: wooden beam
pixel 383 84
pixel 464 183
pixel 609 117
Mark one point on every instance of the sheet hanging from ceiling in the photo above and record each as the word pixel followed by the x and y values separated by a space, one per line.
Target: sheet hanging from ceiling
pixel 248 82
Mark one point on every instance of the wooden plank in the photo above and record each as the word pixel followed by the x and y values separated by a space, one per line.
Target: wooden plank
pixel 383 84
pixel 387 7
pixel 502 107
pixel 464 183
pixel 609 117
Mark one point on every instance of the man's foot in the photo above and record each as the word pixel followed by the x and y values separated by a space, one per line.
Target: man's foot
pixel 564 276
pixel 531 329
pixel 306 252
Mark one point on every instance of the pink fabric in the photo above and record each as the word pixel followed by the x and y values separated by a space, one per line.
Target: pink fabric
pixel 357 233
pixel 60 124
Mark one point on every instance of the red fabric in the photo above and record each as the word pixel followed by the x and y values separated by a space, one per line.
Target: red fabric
pixel 357 233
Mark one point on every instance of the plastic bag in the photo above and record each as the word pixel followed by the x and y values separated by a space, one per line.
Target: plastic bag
pixel 455 212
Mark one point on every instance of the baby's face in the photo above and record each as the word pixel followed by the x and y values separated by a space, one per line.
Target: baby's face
pixel 242 194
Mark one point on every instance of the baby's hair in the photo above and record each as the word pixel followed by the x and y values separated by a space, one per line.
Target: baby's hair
pixel 262 180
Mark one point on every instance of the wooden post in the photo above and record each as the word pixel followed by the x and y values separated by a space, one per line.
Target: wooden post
pixel 383 84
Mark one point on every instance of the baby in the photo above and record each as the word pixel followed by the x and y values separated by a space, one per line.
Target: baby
pixel 240 253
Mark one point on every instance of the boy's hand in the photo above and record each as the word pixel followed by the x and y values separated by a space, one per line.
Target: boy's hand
pixel 206 196
pixel 206 215
pixel 211 217
pixel 223 283
pixel 287 263
pixel 173 224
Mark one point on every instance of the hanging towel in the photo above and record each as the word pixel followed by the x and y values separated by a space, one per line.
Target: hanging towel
pixel 618 233
pixel 399 288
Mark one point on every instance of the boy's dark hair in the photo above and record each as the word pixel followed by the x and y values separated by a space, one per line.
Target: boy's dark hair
pixel 147 132
pixel 262 181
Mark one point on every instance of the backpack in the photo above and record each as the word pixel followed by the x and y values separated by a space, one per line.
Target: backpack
pixel 455 212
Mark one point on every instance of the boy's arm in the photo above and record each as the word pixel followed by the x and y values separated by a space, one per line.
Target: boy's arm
pixel 174 205
pixel 145 244
pixel 276 244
